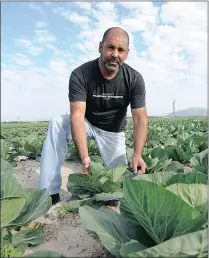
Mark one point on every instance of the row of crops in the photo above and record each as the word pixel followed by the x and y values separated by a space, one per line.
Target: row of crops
pixel 163 213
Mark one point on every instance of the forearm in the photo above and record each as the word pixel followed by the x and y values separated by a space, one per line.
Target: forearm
pixel 140 134
pixel 79 134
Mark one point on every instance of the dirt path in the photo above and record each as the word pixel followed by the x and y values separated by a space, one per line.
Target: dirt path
pixel 64 235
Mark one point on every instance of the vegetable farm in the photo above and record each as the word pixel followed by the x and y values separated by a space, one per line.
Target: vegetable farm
pixel 163 213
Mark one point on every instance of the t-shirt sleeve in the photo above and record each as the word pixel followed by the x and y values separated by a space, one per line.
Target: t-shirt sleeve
pixel 77 87
pixel 138 93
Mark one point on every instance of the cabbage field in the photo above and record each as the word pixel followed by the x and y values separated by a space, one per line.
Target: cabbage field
pixel 163 213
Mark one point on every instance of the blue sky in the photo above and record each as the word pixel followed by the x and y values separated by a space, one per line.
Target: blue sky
pixel 43 42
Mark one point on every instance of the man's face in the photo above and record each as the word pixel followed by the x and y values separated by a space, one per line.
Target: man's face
pixel 114 51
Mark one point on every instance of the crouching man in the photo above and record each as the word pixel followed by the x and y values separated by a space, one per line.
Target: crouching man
pixel 99 93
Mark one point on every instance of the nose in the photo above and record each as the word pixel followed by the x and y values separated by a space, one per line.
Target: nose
pixel 115 53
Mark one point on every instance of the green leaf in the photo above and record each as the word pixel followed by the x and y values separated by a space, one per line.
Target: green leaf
pixel 193 194
pixel 111 229
pixel 10 210
pixel 95 168
pixel 32 236
pixel 108 196
pixel 158 153
pixel 203 209
pixel 126 211
pixel 37 204
pixel 151 164
pixel 22 247
pixel 162 214
pixel 158 178
pixel 162 165
pixel 189 245
pixel 129 152
pixel 83 184
pixel 175 166
pixel 103 180
pixel 175 153
pixel 131 247
pixel 118 172
pixel 10 187
pixel 188 178
pixel 10 251
pixel 6 237
pixel 73 206
pixel 199 140
pixel 200 161
pixel 6 168
pixel 96 158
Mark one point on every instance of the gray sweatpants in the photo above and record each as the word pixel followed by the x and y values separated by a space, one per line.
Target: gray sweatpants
pixel 111 147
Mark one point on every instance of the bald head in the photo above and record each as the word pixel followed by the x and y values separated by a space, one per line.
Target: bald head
pixel 115 31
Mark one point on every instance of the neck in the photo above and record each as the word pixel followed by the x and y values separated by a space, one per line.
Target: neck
pixel 107 74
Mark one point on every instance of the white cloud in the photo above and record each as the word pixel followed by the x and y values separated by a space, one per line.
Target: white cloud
pixel 74 17
pixel 143 16
pixel 60 68
pixel 132 25
pixel 47 3
pixel 37 8
pixel 58 10
pixel 42 39
pixel 80 47
pixel 44 36
pixel 185 14
pixel 22 60
pixel 29 46
pixel 41 24
pixel 37 93
pixel 84 5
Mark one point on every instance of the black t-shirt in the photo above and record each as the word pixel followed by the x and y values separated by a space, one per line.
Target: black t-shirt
pixel 107 100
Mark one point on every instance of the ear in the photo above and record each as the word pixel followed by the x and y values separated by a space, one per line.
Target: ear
pixel 127 53
pixel 100 47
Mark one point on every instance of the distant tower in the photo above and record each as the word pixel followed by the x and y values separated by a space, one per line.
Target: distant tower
pixel 174 108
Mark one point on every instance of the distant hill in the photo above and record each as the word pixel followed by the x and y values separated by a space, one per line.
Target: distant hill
pixel 190 112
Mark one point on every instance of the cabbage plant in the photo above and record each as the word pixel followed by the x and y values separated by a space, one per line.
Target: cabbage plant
pixel 154 221
pixel 19 207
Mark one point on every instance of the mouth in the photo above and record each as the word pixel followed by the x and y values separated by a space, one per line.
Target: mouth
pixel 113 63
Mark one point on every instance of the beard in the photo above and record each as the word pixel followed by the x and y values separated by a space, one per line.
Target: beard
pixel 111 64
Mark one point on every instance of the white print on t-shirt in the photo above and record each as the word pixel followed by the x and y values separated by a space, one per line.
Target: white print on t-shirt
pixel 107 96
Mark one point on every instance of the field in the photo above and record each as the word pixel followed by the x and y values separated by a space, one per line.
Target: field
pixel 112 212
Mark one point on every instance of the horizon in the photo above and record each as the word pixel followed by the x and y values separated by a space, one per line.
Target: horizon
pixel 127 117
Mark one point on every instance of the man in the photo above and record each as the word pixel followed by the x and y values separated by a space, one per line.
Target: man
pixel 99 94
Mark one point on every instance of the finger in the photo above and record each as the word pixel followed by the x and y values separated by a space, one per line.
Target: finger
pixel 134 167
pixel 143 169
pixel 141 172
pixel 85 171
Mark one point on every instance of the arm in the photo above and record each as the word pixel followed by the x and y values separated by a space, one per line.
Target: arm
pixel 77 98
pixel 78 127
pixel 140 122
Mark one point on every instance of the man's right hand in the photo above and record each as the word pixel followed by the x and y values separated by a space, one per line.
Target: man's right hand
pixel 86 161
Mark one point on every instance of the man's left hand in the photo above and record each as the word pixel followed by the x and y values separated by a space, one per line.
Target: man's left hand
pixel 138 164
